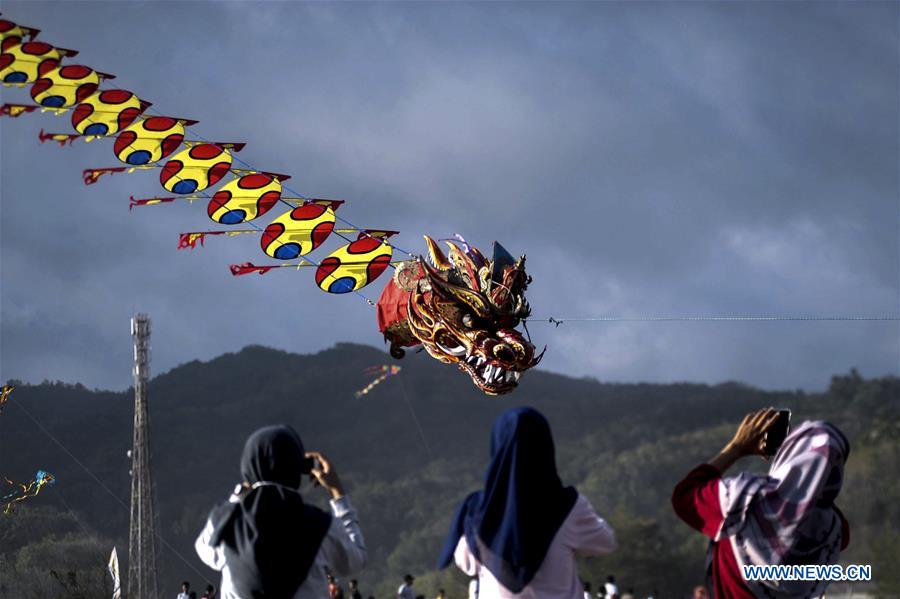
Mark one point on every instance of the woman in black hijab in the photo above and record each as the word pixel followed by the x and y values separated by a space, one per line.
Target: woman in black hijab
pixel 265 540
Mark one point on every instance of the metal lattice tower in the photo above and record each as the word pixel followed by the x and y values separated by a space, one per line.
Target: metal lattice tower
pixel 142 545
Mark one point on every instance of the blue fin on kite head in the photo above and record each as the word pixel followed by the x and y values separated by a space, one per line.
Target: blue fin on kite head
pixel 501 260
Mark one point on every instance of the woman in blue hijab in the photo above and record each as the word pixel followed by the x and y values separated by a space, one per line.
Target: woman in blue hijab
pixel 520 535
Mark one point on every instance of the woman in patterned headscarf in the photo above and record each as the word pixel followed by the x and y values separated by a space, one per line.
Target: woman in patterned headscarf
pixel 785 517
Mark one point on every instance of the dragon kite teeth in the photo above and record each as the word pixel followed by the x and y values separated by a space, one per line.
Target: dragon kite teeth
pixel 461 307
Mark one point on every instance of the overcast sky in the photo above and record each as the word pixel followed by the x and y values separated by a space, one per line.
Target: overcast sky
pixel 649 158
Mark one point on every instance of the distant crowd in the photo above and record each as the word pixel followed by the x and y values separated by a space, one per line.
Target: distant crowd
pixel 608 590
pixel 520 535
pixel 187 593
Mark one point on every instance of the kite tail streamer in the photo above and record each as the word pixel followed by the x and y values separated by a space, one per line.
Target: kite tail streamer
pixel 62 139
pixel 148 201
pixel 248 267
pixel 16 110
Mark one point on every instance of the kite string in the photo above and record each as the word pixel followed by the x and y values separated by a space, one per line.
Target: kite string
pixel 106 488
pixel 78 521
pixel 558 321
pixel 415 418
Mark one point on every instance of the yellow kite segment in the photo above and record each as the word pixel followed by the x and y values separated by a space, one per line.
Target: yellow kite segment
pixel 299 231
pixel 24 63
pixel 106 112
pixel 149 140
pixel 355 265
pixel 244 199
pixel 195 168
pixel 65 86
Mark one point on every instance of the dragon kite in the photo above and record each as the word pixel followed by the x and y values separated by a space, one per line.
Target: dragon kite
pixel 463 308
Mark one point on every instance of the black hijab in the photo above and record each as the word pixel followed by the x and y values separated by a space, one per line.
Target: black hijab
pixel 269 535
pixel 510 524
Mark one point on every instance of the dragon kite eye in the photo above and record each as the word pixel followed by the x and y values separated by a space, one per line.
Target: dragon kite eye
pixel 504 352
pixel 467 320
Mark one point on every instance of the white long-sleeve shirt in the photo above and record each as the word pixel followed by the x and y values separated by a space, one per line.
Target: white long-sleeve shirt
pixel 583 532
pixel 342 552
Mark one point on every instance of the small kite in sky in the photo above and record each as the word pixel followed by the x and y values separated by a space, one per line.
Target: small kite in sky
pixel 383 372
pixel 4 396
pixel 26 490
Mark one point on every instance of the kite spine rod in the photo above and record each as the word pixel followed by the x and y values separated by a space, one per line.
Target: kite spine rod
pixel 246 268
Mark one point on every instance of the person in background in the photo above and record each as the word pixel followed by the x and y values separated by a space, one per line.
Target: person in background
pixel 629 593
pixel 185 591
pixel 209 593
pixel 265 540
pixel 440 595
pixel 334 589
pixel 587 590
pixel 700 592
pixel 612 591
pixel 354 589
pixel 521 534
pixel 406 591
pixel 787 516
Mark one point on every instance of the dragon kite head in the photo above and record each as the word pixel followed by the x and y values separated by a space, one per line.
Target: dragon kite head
pixel 463 309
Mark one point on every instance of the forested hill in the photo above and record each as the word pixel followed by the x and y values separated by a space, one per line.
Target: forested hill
pixel 408 452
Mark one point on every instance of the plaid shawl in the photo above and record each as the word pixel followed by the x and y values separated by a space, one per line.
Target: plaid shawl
pixel 787 517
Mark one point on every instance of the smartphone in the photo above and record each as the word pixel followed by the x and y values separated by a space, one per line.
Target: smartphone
pixel 777 432
pixel 307 465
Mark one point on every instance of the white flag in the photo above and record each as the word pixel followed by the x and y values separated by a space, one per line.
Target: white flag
pixel 114 574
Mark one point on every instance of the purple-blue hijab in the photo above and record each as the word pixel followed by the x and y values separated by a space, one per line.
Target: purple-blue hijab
pixel 510 524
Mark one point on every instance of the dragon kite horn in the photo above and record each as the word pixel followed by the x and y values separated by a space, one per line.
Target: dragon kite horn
pixel 436 255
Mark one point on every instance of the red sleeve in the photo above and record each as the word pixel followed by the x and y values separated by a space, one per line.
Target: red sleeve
pixel 696 500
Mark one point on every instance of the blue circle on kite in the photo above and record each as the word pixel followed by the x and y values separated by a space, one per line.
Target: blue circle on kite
pixel 98 129
pixel 233 217
pixel 342 285
pixel 53 101
pixel 185 186
pixel 138 157
pixel 16 78
pixel 288 251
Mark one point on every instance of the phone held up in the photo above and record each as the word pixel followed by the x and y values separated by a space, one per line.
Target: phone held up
pixel 777 432
pixel 308 465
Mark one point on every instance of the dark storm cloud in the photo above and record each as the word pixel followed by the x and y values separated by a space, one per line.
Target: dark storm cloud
pixel 680 158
